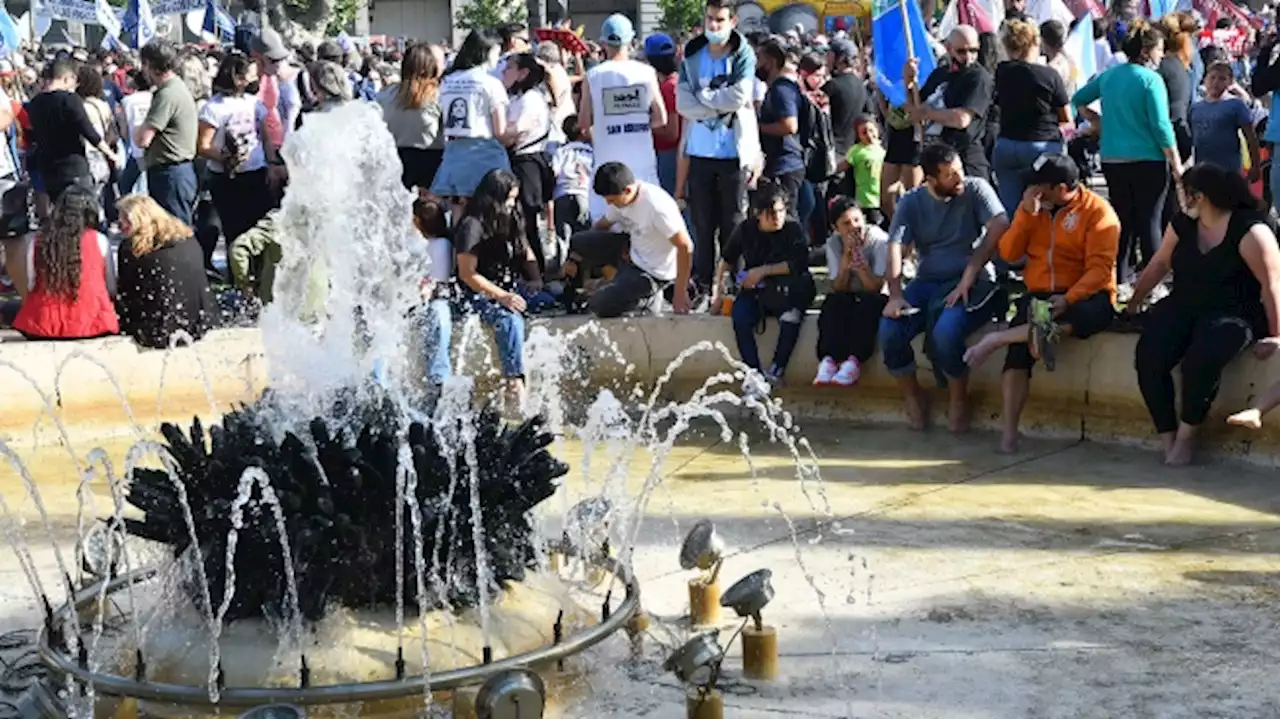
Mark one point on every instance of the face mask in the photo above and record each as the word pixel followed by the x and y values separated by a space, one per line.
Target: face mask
pixel 253 87
pixel 718 37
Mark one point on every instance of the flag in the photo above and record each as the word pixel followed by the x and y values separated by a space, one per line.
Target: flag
pixel 1157 9
pixel 970 13
pixel 217 22
pixel 889 47
pixel 1042 11
pixel 8 34
pixel 991 10
pixel 138 27
pixel 107 18
pixel 1080 49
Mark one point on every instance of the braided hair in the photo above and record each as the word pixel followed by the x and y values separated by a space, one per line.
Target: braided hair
pixel 57 252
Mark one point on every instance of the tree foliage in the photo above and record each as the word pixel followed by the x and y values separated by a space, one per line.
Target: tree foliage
pixel 492 14
pixel 681 15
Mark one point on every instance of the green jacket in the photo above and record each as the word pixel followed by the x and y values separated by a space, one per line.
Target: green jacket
pixel 253 259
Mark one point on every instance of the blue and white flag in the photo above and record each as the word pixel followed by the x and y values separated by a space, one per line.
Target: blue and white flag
pixel 1080 48
pixel 217 22
pixel 107 18
pixel 889 47
pixel 138 27
pixel 9 36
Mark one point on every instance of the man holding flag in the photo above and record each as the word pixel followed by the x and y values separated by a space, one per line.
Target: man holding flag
pixel 954 101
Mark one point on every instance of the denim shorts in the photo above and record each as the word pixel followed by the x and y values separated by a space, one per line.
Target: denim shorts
pixel 466 161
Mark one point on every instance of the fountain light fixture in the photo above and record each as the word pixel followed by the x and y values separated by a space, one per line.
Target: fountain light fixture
pixel 703 549
pixel 697 662
pixel 749 595
pixel 41 701
pixel 587 522
pixel 275 711
pixel 101 550
pixel 513 694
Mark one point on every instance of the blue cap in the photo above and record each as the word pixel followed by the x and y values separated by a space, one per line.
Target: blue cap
pixel 617 30
pixel 659 45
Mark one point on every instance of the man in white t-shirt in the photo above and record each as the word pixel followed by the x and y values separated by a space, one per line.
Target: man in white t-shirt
pixel 643 235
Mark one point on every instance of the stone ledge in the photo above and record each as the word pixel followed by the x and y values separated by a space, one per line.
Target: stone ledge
pixel 1093 394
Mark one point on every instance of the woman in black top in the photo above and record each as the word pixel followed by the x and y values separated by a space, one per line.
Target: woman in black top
pixel 773 255
pixel 493 258
pixel 1180 30
pixel 162 295
pixel 1226 285
pixel 60 128
pixel 1033 105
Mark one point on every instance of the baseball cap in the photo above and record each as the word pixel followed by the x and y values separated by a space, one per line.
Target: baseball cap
pixel 1053 168
pixel 659 45
pixel 617 30
pixel 270 45
pixel 330 50
pixel 844 48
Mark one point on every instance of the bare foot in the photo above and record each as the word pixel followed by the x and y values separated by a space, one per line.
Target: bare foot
pixel 1250 418
pixel 917 411
pixel 1180 454
pixel 1008 443
pixel 1166 443
pixel 978 353
pixel 958 416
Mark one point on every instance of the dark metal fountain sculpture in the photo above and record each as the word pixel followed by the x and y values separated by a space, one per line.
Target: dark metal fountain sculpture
pixel 338 494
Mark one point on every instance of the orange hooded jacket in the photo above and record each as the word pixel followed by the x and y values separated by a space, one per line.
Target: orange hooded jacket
pixel 1071 251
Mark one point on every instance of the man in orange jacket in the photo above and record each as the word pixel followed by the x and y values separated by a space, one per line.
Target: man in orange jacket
pixel 1070 236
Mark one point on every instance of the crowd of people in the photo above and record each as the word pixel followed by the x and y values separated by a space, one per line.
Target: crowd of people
pixel 709 173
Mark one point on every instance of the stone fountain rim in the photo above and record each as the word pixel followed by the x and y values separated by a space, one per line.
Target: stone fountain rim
pixel 182 694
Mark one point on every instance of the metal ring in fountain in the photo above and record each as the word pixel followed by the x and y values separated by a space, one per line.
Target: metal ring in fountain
pixel 110 684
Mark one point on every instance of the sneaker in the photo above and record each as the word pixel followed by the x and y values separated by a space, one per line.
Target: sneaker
pixel 826 372
pixel 756 386
pixel 849 373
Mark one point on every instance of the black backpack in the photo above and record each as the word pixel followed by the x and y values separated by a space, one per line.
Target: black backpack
pixel 816 142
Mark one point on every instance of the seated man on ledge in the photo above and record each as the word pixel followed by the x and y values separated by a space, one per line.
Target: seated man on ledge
pixel 955 224
pixel 1070 237
pixel 652 249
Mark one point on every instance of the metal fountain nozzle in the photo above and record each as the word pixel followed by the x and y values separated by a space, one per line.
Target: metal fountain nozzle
pixel 513 694
pixel 703 548
pixel 698 661
pixel 749 595
pixel 275 711
pixel 101 550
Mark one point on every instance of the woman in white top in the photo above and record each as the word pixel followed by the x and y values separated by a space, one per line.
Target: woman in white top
pixel 411 110
pixel 133 110
pixel 230 136
pixel 528 127
pixel 474 106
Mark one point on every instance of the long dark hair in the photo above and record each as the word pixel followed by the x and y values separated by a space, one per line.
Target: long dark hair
pixel 488 204
pixel 474 51
pixel 57 254
pixel 233 68
pixel 1224 189
pixel 537 73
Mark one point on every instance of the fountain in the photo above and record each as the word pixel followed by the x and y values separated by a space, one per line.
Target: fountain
pixel 342 544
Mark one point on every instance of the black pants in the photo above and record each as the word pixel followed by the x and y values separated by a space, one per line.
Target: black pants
pixel 1087 318
pixel 717 198
pixel 1137 191
pixel 628 289
pixel 847 325
pixel 1204 342
pixel 1182 136
pixel 790 184
pixel 241 201
pixel 419 166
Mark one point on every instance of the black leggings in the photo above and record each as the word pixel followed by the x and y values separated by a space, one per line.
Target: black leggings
pixel 847 325
pixel 1137 191
pixel 1204 342
pixel 717 204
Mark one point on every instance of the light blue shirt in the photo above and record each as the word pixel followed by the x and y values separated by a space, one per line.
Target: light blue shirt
pixel 711 138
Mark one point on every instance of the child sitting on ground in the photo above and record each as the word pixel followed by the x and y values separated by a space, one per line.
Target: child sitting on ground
pixel 866 159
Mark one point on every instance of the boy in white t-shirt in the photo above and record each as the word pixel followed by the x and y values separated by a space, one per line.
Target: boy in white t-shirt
pixel 643 235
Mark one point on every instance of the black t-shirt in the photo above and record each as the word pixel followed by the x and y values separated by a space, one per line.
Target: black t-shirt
pixel 849 99
pixel 500 260
pixel 59 127
pixel 782 155
pixel 1029 97
pixel 755 248
pixel 970 88
pixel 1177 80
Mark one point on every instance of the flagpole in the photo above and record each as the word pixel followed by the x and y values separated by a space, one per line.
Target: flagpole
pixel 911 53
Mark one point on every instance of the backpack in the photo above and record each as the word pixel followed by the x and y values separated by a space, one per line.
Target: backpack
pixel 816 142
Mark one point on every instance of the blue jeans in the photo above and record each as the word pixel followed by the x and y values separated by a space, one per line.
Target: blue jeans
pixel 130 175
pixel 508 333
pixel 667 170
pixel 174 187
pixel 1011 159
pixel 747 314
pixel 953 327
pixel 439 335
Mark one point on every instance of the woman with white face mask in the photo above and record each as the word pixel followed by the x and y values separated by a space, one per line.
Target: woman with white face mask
pixel 1226 296
pixel 473 106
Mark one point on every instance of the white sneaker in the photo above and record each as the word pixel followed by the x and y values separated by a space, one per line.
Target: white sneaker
pixel 755 386
pixel 826 372
pixel 848 374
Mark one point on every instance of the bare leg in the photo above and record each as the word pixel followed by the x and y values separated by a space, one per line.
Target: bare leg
pixel 1015 386
pixel 1184 445
pixel 992 341
pixel 916 400
pixel 958 410
pixel 1252 417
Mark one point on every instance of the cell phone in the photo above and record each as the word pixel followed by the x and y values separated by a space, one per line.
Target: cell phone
pixel 908 311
